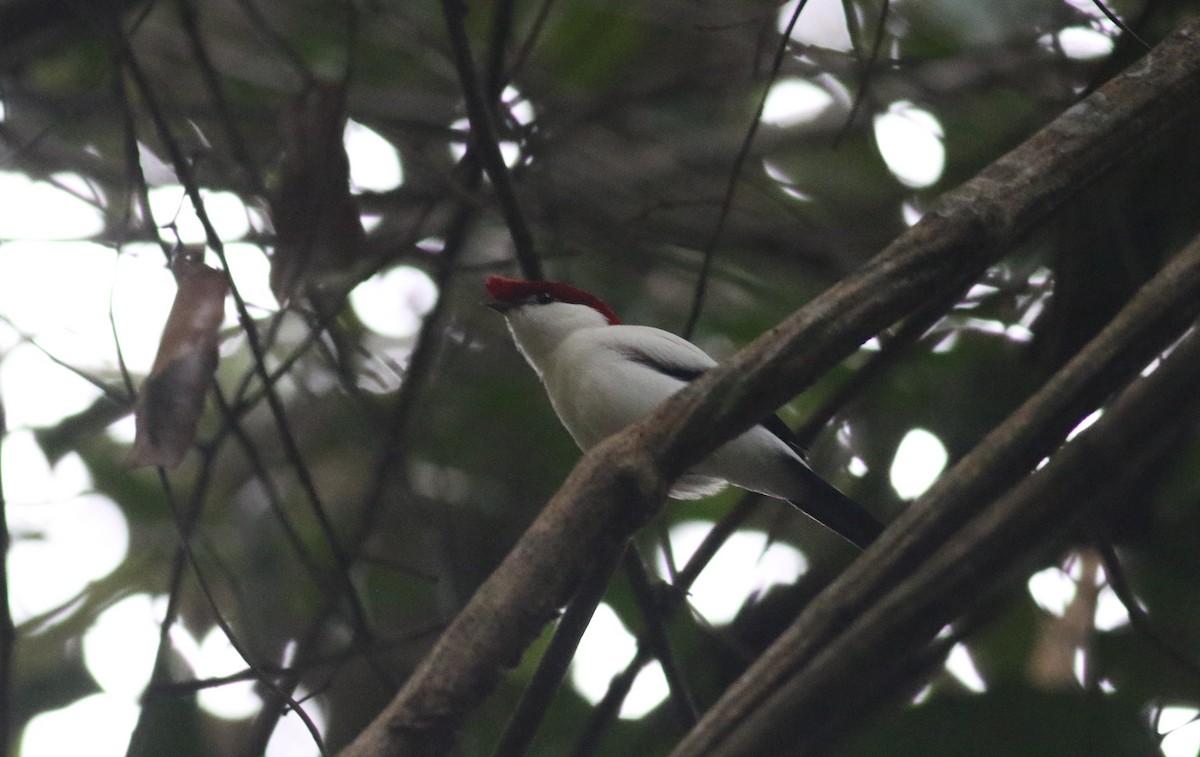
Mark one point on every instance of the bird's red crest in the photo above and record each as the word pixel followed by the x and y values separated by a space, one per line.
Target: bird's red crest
pixel 516 290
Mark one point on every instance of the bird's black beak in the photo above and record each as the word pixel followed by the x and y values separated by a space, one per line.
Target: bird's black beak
pixel 500 306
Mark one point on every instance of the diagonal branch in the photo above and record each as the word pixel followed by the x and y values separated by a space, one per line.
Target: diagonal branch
pixel 735 172
pixel 483 138
pixel 8 634
pixel 547 679
pixel 1147 325
pixel 1007 539
pixel 620 483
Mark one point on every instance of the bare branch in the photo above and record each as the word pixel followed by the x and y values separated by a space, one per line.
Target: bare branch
pixel 735 171
pixel 254 341
pixel 608 708
pixel 1012 535
pixel 1138 617
pixel 553 666
pixel 8 634
pixel 483 139
pixel 654 636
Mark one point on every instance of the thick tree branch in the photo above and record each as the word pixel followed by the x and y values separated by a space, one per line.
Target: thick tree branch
pixel 620 483
pixel 1004 542
pixel 1147 325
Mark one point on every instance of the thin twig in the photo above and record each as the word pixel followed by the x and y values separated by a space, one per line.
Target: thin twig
pixel 735 173
pixel 135 176
pixel 237 142
pixel 1116 20
pixel 654 614
pixel 892 349
pixel 108 390
pixel 494 72
pixel 483 138
pixel 283 426
pixel 358 614
pixel 186 525
pixel 8 633
pixel 535 33
pixel 277 40
pixel 864 84
pixel 605 711
pixel 390 461
pixel 190 687
pixel 122 367
pixel 553 666
pixel 271 492
pixel 138 179
pixel 1138 618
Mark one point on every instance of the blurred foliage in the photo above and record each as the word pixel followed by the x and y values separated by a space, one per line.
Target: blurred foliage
pixel 1013 721
pixel 640 110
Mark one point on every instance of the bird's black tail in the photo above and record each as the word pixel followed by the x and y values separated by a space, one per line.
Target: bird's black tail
pixel 826 505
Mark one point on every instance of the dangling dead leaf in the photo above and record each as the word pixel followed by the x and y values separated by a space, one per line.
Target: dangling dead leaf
pixel 317 225
pixel 173 394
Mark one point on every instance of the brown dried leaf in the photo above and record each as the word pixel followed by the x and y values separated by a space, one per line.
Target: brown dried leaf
pixel 172 396
pixel 317 225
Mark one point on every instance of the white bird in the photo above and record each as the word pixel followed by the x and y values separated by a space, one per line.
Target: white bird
pixel 602 376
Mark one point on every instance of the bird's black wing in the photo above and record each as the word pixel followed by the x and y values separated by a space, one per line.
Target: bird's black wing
pixel 676 370
pixel 776 426
pixel 823 502
pixel 689 373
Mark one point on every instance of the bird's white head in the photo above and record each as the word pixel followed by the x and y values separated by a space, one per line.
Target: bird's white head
pixel 541 314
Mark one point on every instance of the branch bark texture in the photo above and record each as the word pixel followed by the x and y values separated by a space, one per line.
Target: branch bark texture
pixel 621 483
pixel 772 695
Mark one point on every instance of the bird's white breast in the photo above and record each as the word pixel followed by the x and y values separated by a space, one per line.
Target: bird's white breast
pixel 597 390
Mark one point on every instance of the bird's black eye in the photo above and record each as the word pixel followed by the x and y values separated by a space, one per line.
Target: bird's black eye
pixel 543 298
